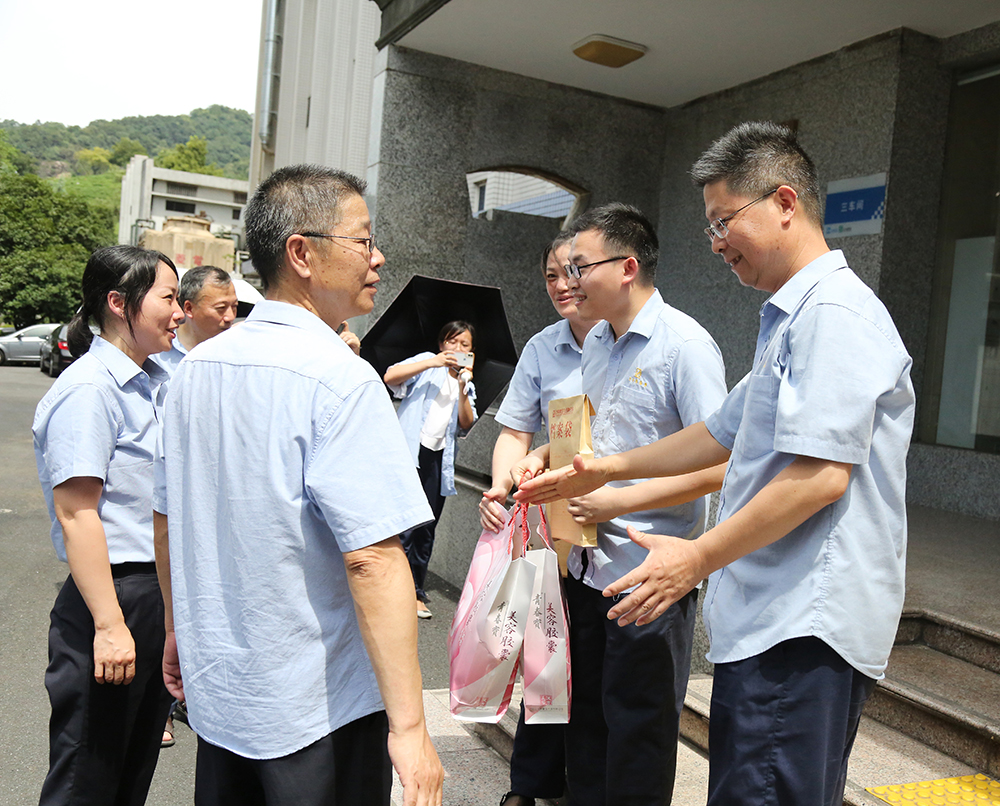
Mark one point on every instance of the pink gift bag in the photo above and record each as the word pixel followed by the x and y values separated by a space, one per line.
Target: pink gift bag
pixel 545 662
pixel 485 639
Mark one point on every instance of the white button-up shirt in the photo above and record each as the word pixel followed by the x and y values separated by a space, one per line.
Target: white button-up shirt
pixel 831 380
pixel 282 451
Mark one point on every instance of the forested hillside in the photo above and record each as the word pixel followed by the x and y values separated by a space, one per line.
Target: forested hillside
pixel 55 147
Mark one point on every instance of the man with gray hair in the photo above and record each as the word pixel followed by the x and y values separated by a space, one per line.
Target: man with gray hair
pixel 207 296
pixel 286 480
pixel 807 560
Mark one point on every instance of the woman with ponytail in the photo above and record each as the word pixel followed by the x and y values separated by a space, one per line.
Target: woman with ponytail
pixel 94 434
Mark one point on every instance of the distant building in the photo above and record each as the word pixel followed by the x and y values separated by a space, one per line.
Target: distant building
pixel 150 195
pixel 314 94
pixel 187 241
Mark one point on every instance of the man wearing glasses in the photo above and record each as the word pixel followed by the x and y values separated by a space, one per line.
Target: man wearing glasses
pixel 807 559
pixel 291 630
pixel 650 370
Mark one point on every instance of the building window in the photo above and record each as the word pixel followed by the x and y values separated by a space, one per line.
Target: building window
pixel 180 189
pixel 239 197
pixel 180 207
pixel 236 215
pixel 480 204
pixel 517 192
pixel 961 405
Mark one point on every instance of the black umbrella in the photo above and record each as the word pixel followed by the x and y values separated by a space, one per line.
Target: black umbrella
pixel 410 325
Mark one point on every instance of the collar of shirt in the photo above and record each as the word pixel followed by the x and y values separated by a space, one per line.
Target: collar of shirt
pixel 792 292
pixel 285 313
pixel 787 298
pixel 566 339
pixel 643 323
pixel 122 368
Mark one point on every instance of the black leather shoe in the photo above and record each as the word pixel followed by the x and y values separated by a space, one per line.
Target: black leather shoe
pixel 511 799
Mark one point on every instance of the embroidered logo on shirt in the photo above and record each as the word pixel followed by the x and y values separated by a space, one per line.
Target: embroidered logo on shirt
pixel 636 380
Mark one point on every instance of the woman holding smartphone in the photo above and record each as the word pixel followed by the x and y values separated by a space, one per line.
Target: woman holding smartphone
pixel 438 405
pixel 94 434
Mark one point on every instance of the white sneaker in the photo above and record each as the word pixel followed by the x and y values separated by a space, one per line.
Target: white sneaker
pixel 422 611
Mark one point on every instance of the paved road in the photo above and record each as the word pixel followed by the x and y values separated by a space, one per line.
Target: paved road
pixel 30 576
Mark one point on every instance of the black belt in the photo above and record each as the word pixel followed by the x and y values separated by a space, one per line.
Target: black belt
pixel 127 569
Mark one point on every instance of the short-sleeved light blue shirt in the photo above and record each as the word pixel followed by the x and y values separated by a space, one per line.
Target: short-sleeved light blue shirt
pixel 280 451
pixel 831 380
pixel 99 420
pixel 662 375
pixel 169 359
pixel 548 369
pixel 417 394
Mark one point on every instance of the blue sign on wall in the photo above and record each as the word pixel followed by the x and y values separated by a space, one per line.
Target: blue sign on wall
pixel 855 206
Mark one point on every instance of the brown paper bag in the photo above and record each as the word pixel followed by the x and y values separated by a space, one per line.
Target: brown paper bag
pixel 569 434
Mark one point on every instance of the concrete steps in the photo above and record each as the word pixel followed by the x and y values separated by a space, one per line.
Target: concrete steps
pixel 936 714
pixel 942 687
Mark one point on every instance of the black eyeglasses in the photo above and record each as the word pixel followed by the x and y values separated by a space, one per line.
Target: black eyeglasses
pixel 369 242
pixel 718 228
pixel 572 270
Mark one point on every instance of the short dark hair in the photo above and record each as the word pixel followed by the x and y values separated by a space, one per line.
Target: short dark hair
pixel 295 199
pixel 453 328
pixel 756 157
pixel 625 230
pixel 129 270
pixel 194 280
pixel 564 237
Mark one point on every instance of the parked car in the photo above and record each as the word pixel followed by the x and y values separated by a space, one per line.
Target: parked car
pixel 54 354
pixel 24 344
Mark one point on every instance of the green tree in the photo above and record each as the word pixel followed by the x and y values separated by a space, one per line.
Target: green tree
pixel 228 133
pixel 89 161
pixel 124 150
pixel 12 160
pixel 192 156
pixel 41 284
pixel 45 238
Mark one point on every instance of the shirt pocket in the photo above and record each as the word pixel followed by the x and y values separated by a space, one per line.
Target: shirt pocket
pixel 634 418
pixel 755 436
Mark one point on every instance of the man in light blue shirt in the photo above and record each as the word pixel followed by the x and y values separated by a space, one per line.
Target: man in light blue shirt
pixel 207 296
pixel 286 480
pixel 649 370
pixel 807 560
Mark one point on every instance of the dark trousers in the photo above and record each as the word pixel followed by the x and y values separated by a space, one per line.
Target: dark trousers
pixel 538 760
pixel 628 691
pixel 104 739
pixel 782 727
pixel 419 541
pixel 349 767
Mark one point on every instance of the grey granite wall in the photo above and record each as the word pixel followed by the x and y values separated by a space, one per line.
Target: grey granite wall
pixel 845 107
pixel 955 480
pixel 435 120
pixel 879 105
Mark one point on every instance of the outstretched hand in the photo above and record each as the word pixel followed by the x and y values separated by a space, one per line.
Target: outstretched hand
pixel 571 481
pixel 672 567
pixel 599 506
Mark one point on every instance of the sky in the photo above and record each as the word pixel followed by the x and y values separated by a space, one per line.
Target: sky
pixel 73 62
